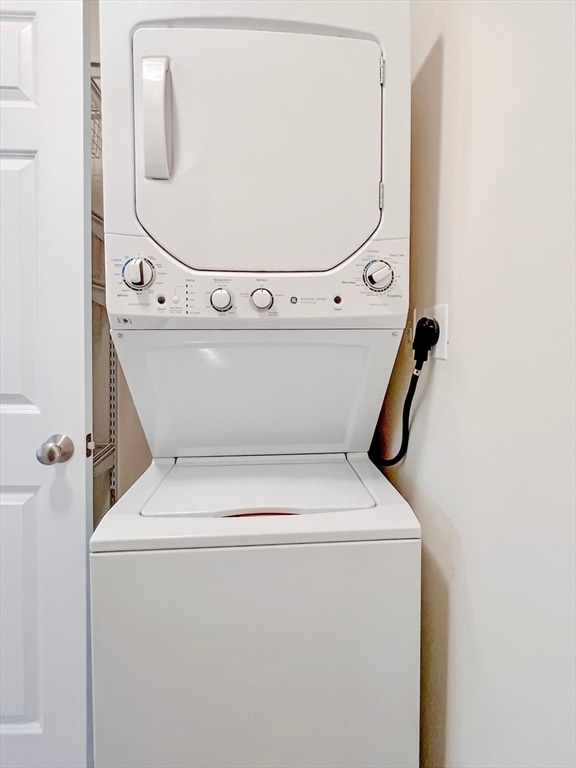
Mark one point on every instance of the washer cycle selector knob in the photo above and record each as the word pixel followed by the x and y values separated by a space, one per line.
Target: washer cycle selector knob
pixel 138 273
pixel 262 298
pixel 378 275
pixel 221 299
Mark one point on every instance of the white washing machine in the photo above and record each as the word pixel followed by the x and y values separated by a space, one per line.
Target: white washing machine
pixel 255 595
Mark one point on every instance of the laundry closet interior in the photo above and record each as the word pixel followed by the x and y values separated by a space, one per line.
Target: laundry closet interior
pixel 254 577
pixel 121 453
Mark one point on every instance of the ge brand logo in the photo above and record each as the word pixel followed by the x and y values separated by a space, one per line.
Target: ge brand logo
pixel 293 300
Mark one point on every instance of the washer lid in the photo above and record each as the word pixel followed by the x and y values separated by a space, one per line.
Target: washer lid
pixel 258 486
pixel 257 150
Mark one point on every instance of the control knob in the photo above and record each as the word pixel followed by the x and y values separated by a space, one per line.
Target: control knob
pixel 378 275
pixel 138 273
pixel 221 299
pixel 262 298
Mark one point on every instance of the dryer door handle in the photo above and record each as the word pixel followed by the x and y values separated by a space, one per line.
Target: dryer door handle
pixel 157 117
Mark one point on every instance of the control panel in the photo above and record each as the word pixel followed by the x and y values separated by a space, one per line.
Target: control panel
pixel 147 288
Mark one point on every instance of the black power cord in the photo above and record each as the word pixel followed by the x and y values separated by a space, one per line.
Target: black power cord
pixel 425 337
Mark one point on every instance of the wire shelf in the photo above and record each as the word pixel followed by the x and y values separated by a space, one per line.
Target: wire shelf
pixel 96 116
pixel 96 132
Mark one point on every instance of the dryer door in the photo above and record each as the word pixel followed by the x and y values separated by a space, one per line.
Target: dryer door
pixel 257 150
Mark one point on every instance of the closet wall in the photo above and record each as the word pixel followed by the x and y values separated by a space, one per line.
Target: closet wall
pixel 490 470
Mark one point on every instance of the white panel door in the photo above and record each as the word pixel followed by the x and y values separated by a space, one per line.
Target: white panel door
pixel 257 150
pixel 44 390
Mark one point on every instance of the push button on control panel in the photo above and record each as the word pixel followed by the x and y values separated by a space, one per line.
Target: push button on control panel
pixel 261 298
pixel 221 300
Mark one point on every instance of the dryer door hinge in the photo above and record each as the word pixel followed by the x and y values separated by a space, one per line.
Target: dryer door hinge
pixel 90 445
pixel 381 197
pixel 382 70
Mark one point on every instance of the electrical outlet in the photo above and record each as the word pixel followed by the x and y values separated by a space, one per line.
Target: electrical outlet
pixel 440 313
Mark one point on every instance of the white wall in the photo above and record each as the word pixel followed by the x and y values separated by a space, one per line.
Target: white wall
pixel 490 470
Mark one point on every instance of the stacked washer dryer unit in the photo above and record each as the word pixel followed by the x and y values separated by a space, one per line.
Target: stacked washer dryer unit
pixel 255 595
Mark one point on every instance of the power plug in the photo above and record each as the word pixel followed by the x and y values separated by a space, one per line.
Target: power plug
pixel 440 313
pixel 426 335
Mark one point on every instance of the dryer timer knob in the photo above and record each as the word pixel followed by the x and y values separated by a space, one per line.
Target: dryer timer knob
pixel 378 275
pixel 138 273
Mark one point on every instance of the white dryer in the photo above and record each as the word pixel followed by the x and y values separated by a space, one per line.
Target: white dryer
pixel 255 595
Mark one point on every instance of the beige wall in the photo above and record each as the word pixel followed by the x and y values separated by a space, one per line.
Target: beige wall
pixel 490 470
